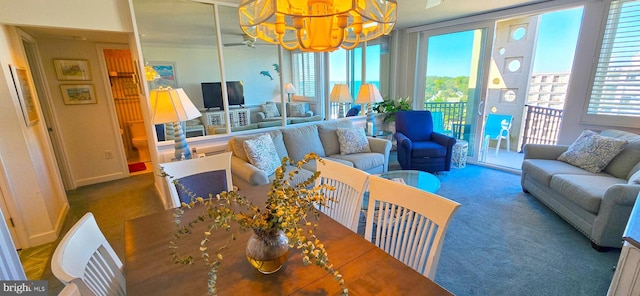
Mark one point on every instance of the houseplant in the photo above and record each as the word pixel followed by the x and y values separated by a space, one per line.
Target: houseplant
pixel 391 106
pixel 285 214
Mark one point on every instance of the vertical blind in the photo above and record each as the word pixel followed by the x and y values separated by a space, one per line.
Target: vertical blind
pixel 616 86
pixel 304 73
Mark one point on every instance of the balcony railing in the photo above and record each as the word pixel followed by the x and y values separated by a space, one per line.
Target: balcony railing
pixel 453 116
pixel 541 125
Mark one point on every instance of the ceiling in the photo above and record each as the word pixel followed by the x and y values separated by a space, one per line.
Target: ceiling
pixel 191 22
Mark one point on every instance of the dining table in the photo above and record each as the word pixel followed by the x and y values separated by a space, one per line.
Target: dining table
pixel 366 269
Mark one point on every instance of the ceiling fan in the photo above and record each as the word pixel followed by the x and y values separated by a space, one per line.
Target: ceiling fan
pixel 246 40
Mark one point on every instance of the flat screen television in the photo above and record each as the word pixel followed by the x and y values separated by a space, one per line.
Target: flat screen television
pixel 212 94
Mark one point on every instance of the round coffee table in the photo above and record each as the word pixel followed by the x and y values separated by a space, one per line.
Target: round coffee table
pixel 419 179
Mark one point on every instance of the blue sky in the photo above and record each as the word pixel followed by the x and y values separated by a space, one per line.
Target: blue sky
pixel 450 55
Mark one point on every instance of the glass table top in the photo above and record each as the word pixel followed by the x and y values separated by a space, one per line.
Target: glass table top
pixel 419 179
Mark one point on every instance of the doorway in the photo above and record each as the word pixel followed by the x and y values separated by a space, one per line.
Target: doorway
pixel 126 94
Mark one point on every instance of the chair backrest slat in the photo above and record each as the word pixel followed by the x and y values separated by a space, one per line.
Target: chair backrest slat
pixel 408 223
pixel 350 184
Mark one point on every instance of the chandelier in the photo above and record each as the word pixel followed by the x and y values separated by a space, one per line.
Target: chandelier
pixel 317 25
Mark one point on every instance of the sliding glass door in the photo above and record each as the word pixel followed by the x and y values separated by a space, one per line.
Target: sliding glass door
pixel 455 66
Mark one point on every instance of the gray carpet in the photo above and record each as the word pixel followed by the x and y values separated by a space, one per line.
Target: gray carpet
pixel 502 241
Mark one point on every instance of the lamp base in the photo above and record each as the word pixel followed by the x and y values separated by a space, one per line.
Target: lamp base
pixel 181 146
pixel 371 121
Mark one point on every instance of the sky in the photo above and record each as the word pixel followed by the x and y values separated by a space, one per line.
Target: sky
pixel 450 55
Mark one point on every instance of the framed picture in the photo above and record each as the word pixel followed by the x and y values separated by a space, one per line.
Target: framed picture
pixel 78 94
pixel 167 72
pixel 25 96
pixel 72 69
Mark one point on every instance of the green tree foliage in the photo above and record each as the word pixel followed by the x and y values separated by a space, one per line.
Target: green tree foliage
pixel 440 88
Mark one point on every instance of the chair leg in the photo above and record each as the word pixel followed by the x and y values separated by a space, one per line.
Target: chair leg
pixel 508 142
pixel 498 145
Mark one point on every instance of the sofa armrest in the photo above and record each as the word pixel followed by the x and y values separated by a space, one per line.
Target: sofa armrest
pixel 614 213
pixel 382 146
pixel 260 116
pixel 541 151
pixel 247 172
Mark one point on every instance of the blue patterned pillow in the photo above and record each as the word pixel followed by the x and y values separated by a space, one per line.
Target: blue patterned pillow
pixel 592 152
pixel 352 140
pixel 261 153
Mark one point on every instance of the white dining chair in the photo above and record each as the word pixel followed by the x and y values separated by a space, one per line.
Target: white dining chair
pixel 346 200
pixel 408 223
pixel 198 177
pixel 85 258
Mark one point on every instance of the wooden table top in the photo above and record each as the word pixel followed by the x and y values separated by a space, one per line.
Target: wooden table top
pixel 367 270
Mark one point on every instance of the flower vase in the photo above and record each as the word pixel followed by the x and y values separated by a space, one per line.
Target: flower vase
pixel 267 250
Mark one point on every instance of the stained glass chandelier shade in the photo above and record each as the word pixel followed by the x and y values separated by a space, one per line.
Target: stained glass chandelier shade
pixel 317 25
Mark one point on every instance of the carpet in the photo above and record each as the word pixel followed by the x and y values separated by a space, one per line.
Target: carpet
pixel 136 167
pixel 502 241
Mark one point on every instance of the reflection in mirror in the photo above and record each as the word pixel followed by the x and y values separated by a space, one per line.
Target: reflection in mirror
pixel 180 35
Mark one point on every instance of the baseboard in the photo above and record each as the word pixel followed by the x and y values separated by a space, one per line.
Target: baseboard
pixel 100 179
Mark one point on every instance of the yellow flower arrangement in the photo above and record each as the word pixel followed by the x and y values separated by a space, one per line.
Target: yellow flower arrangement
pixel 286 210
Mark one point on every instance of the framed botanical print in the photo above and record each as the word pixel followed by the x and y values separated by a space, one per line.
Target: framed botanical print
pixel 72 69
pixel 25 96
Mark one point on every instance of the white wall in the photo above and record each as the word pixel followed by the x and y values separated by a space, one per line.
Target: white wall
pixel 86 130
pixel 34 192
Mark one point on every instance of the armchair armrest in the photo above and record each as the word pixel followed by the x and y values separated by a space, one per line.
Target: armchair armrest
pixel 248 172
pixel 614 213
pixel 541 151
pixel 382 146
pixel 403 140
pixel 309 113
pixel 443 140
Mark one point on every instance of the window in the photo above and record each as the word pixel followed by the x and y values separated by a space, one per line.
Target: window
pixel 304 73
pixel 615 91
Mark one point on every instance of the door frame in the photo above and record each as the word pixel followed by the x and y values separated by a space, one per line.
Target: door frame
pixel 481 83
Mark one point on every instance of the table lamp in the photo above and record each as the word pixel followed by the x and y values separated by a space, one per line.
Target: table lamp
pixel 173 105
pixel 289 89
pixel 369 94
pixel 340 94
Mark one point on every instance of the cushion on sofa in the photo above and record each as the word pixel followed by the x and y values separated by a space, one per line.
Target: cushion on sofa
pixel 584 190
pixel 592 152
pixel 635 178
pixel 262 153
pixel 352 140
pixel 305 119
pixel 297 110
pixel 621 165
pixel 302 140
pixel 363 161
pixel 329 137
pixel 236 144
pixel 270 110
pixel 542 170
pixel 312 165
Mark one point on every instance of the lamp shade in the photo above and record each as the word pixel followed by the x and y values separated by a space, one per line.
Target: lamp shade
pixel 288 88
pixel 340 93
pixel 368 94
pixel 172 105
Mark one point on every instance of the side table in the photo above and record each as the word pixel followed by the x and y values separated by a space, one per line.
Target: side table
pixel 459 155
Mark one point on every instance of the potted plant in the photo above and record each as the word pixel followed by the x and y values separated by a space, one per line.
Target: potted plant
pixel 390 106
pixel 280 225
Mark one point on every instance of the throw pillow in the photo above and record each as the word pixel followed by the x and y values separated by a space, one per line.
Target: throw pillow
pixel 297 110
pixel 270 110
pixel 592 152
pixel 262 153
pixel 352 140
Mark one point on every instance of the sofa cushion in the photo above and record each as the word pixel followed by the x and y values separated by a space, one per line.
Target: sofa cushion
pixel 635 178
pixel 313 164
pixel 302 140
pixel 297 109
pixel 305 119
pixel 542 170
pixel 621 165
pixel 352 140
pixel 592 152
pixel 236 144
pixel 363 161
pixel 329 137
pixel 262 153
pixel 584 190
pixel 270 110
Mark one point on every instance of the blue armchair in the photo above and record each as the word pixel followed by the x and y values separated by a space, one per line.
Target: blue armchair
pixel 419 147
